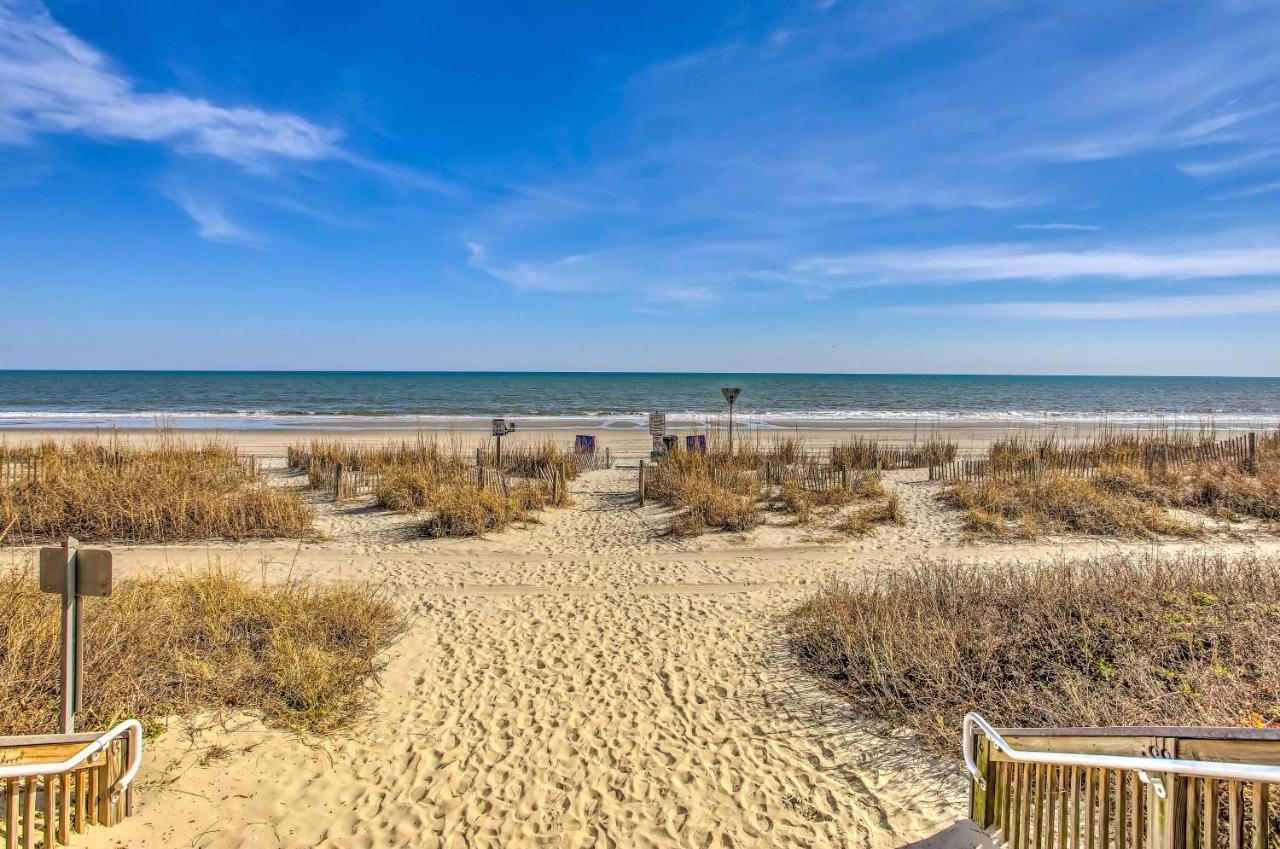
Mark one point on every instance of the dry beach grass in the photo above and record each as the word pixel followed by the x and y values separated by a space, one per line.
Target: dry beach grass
pixel 303 657
pixel 1111 640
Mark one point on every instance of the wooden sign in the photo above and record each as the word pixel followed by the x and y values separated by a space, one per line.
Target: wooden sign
pixel 501 427
pixel 657 424
pixel 93 571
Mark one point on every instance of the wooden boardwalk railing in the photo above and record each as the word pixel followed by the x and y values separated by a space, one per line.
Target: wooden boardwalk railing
pixel 1203 800
pixel 46 808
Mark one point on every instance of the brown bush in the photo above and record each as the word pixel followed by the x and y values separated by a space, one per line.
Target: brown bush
pixel 1116 640
pixel 168 491
pixel 1059 503
pixel 304 657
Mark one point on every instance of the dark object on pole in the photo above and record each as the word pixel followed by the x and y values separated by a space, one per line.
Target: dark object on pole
pixel 731 394
pixel 73 573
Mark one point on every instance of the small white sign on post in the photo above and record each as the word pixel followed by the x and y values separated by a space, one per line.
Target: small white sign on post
pixel 501 427
pixel 658 424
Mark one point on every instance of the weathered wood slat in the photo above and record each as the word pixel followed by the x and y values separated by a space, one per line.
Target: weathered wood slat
pixel 29 814
pixel 1076 791
pixel 1261 815
pixel 1235 815
pixel 1209 813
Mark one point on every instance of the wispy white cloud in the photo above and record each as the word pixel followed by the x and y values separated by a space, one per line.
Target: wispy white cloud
pixel 1056 225
pixel 1259 302
pixel 1228 164
pixel 559 275
pixel 1250 191
pixel 686 294
pixel 212 222
pixel 53 82
pixel 968 263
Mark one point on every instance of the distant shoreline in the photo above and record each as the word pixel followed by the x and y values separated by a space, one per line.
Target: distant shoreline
pixel 625 423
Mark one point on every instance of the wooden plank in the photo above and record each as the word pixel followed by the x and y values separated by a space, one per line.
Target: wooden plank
pixel 1090 821
pixel 1064 798
pixel 1051 804
pixel 104 792
pixel 1175 825
pixel 11 814
pixel 1122 811
pixel 1024 832
pixel 1104 807
pixel 1015 806
pixel 1210 813
pixel 1075 806
pixel 38 753
pixel 1192 823
pixel 64 807
pixel 29 813
pixel 121 758
pixel 1235 815
pixel 91 797
pixel 1261 815
pixel 1007 801
pixel 82 781
pixel 978 796
pixel 50 812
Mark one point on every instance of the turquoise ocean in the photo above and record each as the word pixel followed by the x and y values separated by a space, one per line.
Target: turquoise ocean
pixel 268 399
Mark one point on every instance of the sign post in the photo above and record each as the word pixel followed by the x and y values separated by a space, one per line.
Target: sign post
pixel 731 394
pixel 73 572
pixel 657 430
pixel 501 427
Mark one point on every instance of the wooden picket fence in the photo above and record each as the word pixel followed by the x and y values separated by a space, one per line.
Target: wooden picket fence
pixel 1086 461
pixel 341 482
pixel 20 467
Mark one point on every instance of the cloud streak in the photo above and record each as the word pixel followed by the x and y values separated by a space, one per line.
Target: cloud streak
pixel 1259 302
pixel 53 82
pixel 971 263
pixel 212 222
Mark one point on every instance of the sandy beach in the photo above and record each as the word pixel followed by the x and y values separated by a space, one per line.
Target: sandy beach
pixel 582 681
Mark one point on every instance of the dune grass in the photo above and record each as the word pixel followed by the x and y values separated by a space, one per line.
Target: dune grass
pixel 168 490
pixel 302 656
pixel 1116 640
pixel 1115 485
pixel 731 491
pixel 441 480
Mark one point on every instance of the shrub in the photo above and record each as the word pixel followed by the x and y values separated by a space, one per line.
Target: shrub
pixel 168 491
pixel 302 656
pixel 1058 503
pixel 1116 640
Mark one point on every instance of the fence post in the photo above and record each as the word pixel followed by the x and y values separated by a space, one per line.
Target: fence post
pixel 337 483
pixel 642 483
pixel 1252 461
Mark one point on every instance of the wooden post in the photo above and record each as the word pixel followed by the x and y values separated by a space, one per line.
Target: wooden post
pixel 1252 462
pixel 70 637
pixel 337 483
pixel 641 482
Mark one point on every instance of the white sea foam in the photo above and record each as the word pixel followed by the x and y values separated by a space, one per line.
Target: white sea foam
pixel 250 419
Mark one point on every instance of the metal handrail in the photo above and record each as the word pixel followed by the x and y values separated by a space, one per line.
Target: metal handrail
pixel 130 726
pixel 1143 766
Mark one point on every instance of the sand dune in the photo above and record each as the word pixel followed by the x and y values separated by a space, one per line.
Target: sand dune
pixel 580 682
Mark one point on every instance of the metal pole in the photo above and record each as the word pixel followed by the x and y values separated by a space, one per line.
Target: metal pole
pixel 731 426
pixel 70 637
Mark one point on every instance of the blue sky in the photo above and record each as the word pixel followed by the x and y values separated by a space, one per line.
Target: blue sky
pixel 825 186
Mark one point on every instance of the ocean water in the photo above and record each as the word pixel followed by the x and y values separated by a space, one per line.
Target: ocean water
pixel 394 399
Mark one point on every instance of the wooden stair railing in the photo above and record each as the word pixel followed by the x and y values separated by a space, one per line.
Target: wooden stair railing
pixel 55 784
pixel 1123 788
